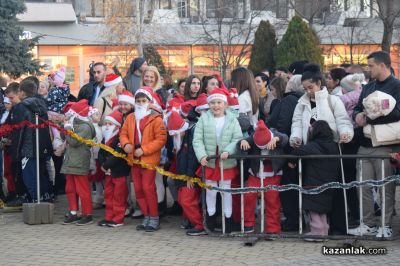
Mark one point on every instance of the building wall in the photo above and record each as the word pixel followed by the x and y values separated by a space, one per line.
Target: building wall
pixel 183 60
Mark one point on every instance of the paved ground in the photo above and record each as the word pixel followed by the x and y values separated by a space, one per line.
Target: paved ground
pixel 57 244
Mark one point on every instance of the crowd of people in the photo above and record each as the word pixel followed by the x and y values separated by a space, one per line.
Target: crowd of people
pixel 193 128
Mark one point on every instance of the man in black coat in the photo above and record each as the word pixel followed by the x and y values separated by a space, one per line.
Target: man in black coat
pixel 92 90
pixel 379 65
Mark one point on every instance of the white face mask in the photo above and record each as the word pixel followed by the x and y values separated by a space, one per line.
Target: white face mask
pixel 141 111
pixel 177 142
pixel 108 132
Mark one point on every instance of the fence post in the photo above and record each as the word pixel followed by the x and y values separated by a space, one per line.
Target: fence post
pixel 37 159
pixel 221 166
pixel 344 191
pixel 260 173
pixel 241 197
pixel 360 196
pixel 383 197
pixel 300 198
pixel 203 197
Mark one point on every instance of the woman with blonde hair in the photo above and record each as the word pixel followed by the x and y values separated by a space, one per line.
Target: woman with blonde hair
pixel 151 78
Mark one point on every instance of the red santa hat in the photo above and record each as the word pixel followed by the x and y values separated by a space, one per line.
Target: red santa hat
pixel 218 94
pixel 80 109
pixel 233 99
pixel 112 79
pixel 186 106
pixel 201 102
pixel 114 103
pixel 176 124
pixel 148 91
pixel 67 107
pixel 126 96
pixel 114 117
pixel 262 135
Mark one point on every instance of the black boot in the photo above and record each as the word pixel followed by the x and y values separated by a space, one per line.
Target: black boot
pixel 230 226
pixel 211 221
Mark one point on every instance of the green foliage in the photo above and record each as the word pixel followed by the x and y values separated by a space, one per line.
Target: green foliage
pixel 263 49
pixel 300 42
pixel 16 56
pixel 153 58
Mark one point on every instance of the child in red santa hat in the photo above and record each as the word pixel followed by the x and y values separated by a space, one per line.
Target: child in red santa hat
pixel 142 137
pixel 186 164
pixel 116 169
pixel 76 165
pixel 217 133
pixel 264 142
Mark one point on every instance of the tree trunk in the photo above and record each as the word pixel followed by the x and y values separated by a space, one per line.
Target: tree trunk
pixel 387 37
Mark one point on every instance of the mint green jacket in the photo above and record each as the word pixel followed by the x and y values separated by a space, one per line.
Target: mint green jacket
pixel 205 139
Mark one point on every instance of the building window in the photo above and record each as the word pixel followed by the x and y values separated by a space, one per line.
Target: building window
pixel 268 5
pixel 182 9
pixel 282 8
pixel 225 9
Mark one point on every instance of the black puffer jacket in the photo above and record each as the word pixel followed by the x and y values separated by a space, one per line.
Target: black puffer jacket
pixel 318 172
pixel 282 113
pixel 26 138
pixel 118 166
pixel 186 161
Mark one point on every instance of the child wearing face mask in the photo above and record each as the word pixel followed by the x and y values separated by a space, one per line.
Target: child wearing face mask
pixel 186 164
pixel 96 175
pixel 76 164
pixel 142 137
pixel 116 169
pixel 217 133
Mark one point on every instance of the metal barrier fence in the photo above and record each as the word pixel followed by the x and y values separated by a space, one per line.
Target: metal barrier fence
pixel 360 184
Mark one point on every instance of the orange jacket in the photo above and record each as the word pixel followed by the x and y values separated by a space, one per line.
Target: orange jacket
pixel 154 137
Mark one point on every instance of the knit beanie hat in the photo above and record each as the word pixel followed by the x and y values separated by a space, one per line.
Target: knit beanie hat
pixel 59 77
pixel 137 63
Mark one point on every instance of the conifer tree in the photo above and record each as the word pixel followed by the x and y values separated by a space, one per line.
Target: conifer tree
pixel 300 42
pixel 16 56
pixel 262 51
pixel 153 58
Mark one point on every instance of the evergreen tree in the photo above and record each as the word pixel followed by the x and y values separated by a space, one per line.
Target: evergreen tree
pixel 16 56
pixel 262 51
pixel 153 58
pixel 300 42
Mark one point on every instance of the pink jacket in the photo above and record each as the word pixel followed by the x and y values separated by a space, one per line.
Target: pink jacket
pixel 350 100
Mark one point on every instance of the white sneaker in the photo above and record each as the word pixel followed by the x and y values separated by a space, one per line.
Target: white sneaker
pixel 385 232
pixel 363 230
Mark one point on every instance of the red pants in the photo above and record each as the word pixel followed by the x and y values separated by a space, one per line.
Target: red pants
pixel 272 204
pixel 115 195
pixel 236 200
pixel 7 173
pixel 78 186
pixel 144 181
pixel 188 198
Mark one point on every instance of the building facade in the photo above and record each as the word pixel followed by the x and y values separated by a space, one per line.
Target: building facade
pixel 75 33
